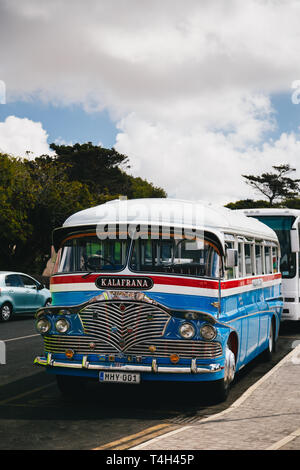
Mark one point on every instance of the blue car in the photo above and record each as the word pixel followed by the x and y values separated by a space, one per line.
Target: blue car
pixel 20 293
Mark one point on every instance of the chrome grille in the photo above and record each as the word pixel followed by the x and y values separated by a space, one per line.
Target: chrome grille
pixel 129 328
pixel 186 349
pixel 123 324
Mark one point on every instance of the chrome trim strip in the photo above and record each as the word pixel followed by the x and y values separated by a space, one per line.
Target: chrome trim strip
pixel 211 368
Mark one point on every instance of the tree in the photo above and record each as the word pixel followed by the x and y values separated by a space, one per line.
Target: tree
pixel 38 195
pixel 103 171
pixel 247 204
pixel 16 198
pixel 275 186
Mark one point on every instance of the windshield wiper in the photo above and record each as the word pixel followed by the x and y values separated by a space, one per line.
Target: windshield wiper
pixel 87 274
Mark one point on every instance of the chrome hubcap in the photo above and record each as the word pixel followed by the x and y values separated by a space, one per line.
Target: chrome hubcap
pixel 5 311
pixel 229 366
pixel 271 339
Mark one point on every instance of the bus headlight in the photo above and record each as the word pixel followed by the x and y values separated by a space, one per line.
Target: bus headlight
pixel 187 330
pixel 208 332
pixel 43 325
pixel 62 325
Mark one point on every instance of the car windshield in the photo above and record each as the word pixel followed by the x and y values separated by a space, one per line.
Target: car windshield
pixel 90 254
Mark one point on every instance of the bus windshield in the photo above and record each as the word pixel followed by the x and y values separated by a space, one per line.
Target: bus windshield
pixel 196 257
pixel 89 253
pixel 282 226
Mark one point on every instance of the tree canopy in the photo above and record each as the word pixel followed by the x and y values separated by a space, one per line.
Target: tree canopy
pixel 38 195
pixel 275 186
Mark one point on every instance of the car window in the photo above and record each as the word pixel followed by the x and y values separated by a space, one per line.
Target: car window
pixel 28 281
pixel 13 280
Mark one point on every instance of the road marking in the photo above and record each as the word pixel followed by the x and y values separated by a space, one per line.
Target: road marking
pixel 21 395
pixel 285 440
pixel 134 439
pixel 20 337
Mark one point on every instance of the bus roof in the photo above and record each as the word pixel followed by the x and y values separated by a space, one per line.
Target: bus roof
pixel 271 211
pixel 172 212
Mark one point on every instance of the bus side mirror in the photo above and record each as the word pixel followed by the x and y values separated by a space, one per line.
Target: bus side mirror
pixel 231 258
pixel 294 240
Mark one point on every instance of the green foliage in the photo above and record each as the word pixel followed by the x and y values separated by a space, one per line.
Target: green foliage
pixel 275 186
pixel 247 204
pixel 38 195
pixel 103 171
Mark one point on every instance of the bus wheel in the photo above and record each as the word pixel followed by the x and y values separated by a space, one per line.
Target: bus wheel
pixel 268 352
pixel 221 387
pixel 70 386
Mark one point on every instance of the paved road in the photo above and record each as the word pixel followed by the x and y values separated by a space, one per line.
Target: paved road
pixel 33 415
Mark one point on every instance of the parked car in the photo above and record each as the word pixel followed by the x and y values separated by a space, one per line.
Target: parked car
pixel 20 293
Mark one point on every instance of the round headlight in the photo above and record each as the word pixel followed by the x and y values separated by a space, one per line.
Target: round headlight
pixel 62 325
pixel 208 332
pixel 43 325
pixel 187 330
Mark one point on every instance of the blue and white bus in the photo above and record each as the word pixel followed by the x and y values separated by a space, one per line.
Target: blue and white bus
pixel 285 222
pixel 160 290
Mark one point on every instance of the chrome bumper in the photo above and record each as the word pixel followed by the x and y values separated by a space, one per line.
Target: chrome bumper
pixel 193 369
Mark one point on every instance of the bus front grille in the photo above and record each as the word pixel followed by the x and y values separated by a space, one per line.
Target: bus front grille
pixel 129 328
pixel 86 345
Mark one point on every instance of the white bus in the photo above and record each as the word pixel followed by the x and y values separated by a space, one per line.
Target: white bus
pixel 285 222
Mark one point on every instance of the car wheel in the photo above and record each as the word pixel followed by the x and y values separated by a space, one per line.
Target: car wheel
pixel 5 312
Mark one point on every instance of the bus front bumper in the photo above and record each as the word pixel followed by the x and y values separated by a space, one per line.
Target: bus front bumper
pixel 48 361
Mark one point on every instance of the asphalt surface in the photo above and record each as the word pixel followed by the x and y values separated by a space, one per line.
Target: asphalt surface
pixel 34 416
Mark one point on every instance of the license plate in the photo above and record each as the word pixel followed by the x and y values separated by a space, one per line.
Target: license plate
pixel 119 377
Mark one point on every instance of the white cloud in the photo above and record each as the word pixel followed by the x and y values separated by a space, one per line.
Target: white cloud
pixel 188 83
pixel 18 136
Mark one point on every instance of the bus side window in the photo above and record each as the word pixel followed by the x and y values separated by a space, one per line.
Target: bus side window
pixel 275 259
pixel 229 272
pixel 268 263
pixel 241 259
pixel 248 259
pixel 258 259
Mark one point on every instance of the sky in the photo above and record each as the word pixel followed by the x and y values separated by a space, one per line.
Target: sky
pixel 196 94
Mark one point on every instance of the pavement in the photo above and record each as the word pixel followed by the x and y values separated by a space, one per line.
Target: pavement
pixel 265 417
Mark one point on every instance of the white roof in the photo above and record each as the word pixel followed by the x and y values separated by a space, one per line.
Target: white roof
pixel 271 211
pixel 172 212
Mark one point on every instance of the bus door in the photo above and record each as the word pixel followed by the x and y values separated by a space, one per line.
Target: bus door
pixel 291 289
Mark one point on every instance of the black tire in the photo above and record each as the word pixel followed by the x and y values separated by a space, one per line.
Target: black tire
pixel 267 354
pixel 6 312
pixel 70 386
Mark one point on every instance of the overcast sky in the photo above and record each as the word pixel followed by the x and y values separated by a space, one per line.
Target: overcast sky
pixel 196 93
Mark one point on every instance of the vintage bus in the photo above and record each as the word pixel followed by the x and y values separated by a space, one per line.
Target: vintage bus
pixel 285 222
pixel 160 290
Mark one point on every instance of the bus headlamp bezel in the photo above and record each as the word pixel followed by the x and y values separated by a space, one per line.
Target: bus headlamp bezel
pixel 47 325
pixel 208 332
pixel 187 330
pixel 62 321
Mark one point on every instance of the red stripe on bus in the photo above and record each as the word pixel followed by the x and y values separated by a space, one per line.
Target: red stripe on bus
pixel 171 281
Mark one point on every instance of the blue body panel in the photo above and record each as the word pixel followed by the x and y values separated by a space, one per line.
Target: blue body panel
pixel 247 315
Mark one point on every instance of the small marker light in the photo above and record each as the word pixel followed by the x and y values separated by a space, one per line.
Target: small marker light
pixel 174 358
pixel 69 353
